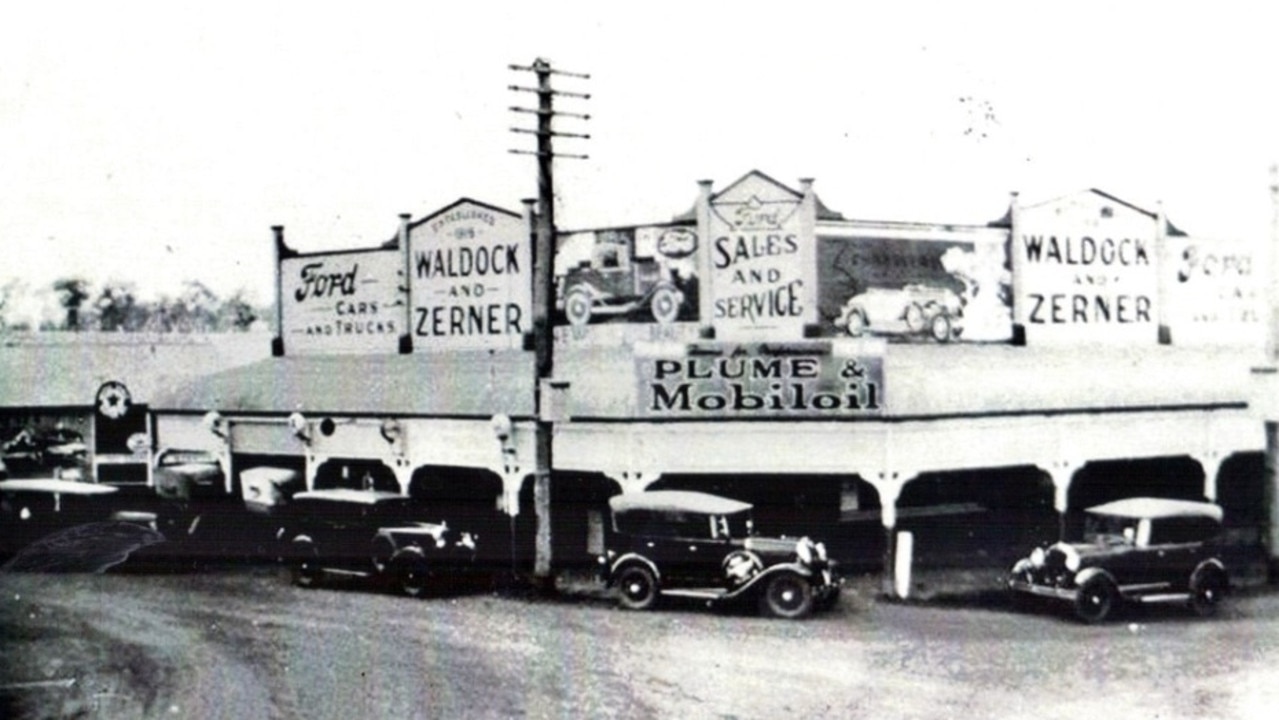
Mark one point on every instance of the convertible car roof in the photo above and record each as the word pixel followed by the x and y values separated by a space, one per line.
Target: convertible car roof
pixel 676 500
pixel 1158 507
pixel 61 487
pixel 366 497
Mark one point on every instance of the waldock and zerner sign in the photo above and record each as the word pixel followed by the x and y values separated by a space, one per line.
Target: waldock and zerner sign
pixel 1087 269
pixel 759 380
pixel 471 278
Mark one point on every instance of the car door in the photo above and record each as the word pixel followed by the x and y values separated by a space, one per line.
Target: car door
pixel 1181 548
pixel 695 553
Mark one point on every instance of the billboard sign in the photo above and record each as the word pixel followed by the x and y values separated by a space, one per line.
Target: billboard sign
pixel 1213 293
pixel 642 276
pixel 762 260
pixel 941 286
pixel 342 302
pixel 1086 270
pixel 470 279
pixel 759 380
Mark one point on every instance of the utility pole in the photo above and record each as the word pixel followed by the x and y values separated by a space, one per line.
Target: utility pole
pixel 543 286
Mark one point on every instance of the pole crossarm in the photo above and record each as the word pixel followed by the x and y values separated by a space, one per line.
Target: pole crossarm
pixel 557 113
pixel 551 133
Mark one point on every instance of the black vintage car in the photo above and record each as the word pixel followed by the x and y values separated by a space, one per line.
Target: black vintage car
pixel 691 544
pixel 377 535
pixel 39 517
pixel 45 452
pixel 1143 550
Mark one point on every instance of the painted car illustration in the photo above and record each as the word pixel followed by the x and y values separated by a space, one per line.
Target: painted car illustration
pixel 677 543
pixel 615 282
pixel 915 309
pixel 1143 550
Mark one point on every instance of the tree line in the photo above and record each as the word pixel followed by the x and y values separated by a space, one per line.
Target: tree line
pixel 115 306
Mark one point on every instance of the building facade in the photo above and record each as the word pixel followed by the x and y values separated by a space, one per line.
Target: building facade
pixel 837 372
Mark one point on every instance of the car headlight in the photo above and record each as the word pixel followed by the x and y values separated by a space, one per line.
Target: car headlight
pixel 1037 557
pixel 804 549
pixel 1072 557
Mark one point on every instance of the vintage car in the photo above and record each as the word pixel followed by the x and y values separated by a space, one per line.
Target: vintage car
pixel 910 310
pixel 373 534
pixel 34 508
pixel 679 543
pixel 44 452
pixel 188 475
pixel 1145 550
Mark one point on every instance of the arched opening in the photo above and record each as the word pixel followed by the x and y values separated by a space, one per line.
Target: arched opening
pixel 355 474
pixel 978 517
pixel 1101 481
pixel 579 511
pixel 1241 494
pixel 468 499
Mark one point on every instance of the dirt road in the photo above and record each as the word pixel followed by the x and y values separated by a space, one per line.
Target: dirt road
pixel 245 644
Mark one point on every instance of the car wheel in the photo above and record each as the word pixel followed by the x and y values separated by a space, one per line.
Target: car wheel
pixel 787 596
pixel 915 318
pixel 855 322
pixel 306 565
pixel 636 588
pixel 1097 600
pixel 577 306
pixel 1207 588
pixel 381 557
pixel 941 328
pixel 665 305
pixel 414 577
pixel 827 602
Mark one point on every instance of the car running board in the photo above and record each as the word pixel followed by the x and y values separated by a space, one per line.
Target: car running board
pixel 1163 598
pixel 706 594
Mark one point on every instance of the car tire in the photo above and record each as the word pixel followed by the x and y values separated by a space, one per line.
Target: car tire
pixel 577 307
pixel 915 317
pixel 787 595
pixel 855 323
pixel 1097 600
pixel 665 305
pixel 1207 588
pixel 414 577
pixel 381 559
pixel 941 328
pixel 637 588
pixel 306 564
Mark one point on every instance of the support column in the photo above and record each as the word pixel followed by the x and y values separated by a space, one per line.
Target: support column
pixel 634 481
pixel 889 485
pixel 512 480
pixel 313 463
pixel 1211 462
pixel 1062 473
pixel 403 470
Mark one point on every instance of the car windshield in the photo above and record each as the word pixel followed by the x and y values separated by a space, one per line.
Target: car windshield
pixel 1110 529
pixel 735 525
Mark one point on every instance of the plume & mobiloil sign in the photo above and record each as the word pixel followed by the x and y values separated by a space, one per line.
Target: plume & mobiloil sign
pixel 758 380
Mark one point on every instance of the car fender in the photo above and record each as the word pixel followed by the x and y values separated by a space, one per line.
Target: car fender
pixel 1089 573
pixel 1210 564
pixel 757 583
pixel 633 559
pixel 408 552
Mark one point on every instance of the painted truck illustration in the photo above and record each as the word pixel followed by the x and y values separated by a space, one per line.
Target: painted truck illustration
pixel 913 309
pixel 614 282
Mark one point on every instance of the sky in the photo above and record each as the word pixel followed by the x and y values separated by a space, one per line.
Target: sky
pixel 156 143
